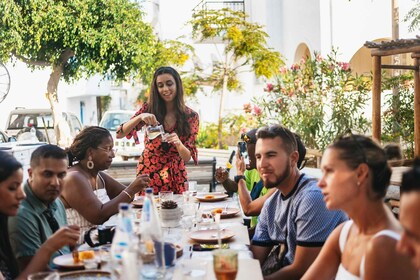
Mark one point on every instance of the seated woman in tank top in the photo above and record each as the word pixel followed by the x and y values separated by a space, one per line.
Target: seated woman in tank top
pixel 91 196
pixel 355 179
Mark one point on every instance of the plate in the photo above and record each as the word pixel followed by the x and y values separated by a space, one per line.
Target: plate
pixel 211 197
pixel 66 261
pixel 85 275
pixel 230 212
pixel 210 235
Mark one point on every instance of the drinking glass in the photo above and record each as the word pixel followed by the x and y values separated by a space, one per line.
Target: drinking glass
pixel 154 131
pixel 166 195
pixel 45 275
pixel 192 269
pixel 225 264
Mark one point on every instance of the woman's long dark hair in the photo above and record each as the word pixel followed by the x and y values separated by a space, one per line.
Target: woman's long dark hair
pixel 157 104
pixel 8 165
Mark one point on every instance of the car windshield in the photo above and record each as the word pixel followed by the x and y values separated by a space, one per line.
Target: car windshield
pixel 111 121
pixel 19 121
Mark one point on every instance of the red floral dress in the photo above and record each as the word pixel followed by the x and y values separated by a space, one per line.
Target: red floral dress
pixel 164 164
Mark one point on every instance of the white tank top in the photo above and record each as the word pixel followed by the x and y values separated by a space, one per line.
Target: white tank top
pixel 342 273
pixel 74 217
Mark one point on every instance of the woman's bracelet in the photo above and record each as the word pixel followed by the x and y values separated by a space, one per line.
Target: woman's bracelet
pixel 129 195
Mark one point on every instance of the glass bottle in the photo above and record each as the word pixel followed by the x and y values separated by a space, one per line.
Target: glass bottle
pixel 122 238
pixel 151 240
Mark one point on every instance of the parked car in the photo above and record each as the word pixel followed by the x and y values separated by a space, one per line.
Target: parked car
pixel 125 148
pixel 4 138
pixel 20 122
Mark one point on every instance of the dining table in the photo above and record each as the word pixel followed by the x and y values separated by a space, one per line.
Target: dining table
pixel 204 225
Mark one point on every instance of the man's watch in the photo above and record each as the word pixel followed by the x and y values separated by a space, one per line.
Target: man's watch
pixel 238 177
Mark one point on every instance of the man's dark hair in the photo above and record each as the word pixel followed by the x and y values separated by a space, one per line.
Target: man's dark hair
pixel 277 130
pixel 302 151
pixel 411 179
pixel 47 151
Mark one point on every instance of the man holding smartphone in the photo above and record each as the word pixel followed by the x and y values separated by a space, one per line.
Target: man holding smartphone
pixel 252 193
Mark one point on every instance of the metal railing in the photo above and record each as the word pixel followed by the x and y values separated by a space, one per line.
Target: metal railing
pixel 237 5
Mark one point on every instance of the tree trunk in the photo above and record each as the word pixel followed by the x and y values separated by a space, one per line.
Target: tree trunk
pixel 221 107
pixel 61 128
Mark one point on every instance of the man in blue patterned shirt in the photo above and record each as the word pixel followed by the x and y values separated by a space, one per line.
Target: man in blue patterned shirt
pixel 294 222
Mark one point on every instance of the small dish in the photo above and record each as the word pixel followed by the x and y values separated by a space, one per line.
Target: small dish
pixel 67 261
pixel 211 235
pixel 211 197
pixel 225 213
pixel 85 275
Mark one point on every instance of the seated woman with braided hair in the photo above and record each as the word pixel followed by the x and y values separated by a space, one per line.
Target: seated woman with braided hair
pixel 90 195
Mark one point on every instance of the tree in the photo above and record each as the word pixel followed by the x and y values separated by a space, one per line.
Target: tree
pixel 244 45
pixel 77 38
pixel 413 16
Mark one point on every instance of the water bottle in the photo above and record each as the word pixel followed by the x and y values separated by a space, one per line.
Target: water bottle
pixel 151 241
pixel 123 236
pixel 33 134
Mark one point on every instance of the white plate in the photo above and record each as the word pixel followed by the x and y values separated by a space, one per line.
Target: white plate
pixel 230 212
pixel 86 274
pixel 211 197
pixel 66 261
pixel 210 235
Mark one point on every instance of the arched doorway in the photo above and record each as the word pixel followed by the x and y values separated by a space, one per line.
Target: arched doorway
pixel 302 51
pixel 361 62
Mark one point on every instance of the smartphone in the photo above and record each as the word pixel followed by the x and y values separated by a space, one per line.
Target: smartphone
pixel 243 151
pixel 242 148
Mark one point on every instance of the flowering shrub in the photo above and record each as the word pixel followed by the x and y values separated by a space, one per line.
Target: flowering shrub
pixel 319 99
pixel 398 117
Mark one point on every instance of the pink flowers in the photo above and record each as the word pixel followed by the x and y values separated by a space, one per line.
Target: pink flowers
pixel 295 67
pixel 269 87
pixel 345 66
pixel 257 110
pixel 247 108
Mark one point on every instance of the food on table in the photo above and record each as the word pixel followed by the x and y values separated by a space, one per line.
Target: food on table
pixel 86 255
pixel 218 210
pixel 209 196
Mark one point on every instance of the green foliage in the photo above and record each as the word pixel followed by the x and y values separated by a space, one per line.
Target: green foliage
pixel 107 37
pixel 413 16
pixel 245 44
pixel 207 136
pixel 318 98
pixel 233 126
pixel 105 102
pixel 398 118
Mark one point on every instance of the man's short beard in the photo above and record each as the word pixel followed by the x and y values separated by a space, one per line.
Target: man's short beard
pixel 280 179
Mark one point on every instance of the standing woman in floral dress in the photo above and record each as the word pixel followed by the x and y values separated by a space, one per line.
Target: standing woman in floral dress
pixel 165 161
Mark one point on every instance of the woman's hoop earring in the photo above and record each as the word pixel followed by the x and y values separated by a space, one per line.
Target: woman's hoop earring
pixel 90 163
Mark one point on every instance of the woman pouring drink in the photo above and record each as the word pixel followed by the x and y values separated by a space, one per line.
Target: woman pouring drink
pixel 164 156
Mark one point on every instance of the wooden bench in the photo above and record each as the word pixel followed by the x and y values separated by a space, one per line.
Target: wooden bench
pixel 125 172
